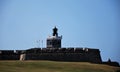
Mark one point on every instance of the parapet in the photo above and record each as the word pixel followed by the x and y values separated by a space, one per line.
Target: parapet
pixel 91 50
pixel 62 50
pixel 51 50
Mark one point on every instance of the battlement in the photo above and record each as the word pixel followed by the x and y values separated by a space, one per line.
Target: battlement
pixel 51 50
pixel 62 50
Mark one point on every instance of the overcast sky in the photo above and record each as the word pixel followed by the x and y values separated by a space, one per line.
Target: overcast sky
pixel 82 23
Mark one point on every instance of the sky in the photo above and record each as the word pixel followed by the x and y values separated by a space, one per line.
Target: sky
pixel 82 23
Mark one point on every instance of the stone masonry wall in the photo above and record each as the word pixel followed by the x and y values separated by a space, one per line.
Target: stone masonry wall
pixel 56 54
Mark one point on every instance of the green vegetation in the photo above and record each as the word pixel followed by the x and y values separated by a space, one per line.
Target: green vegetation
pixel 54 66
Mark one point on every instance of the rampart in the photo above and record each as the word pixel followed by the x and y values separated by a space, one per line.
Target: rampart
pixel 56 54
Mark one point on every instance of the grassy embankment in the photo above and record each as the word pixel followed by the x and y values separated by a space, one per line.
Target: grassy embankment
pixel 54 66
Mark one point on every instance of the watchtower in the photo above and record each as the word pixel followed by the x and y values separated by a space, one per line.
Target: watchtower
pixel 54 41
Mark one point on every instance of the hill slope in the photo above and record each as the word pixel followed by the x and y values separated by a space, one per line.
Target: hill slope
pixel 53 66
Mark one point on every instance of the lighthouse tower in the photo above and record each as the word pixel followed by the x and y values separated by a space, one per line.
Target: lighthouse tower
pixel 54 41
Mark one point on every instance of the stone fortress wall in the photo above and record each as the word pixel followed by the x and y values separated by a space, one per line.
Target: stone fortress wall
pixel 64 54
pixel 56 54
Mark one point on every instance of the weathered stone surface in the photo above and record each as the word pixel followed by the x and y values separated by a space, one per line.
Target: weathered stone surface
pixel 60 54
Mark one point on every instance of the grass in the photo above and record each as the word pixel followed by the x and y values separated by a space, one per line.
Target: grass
pixel 54 66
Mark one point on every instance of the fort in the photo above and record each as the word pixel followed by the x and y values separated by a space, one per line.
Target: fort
pixel 55 52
